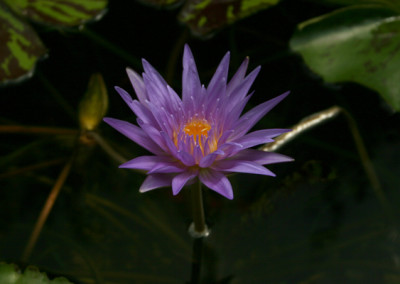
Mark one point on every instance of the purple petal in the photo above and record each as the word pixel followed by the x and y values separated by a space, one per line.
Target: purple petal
pixel 236 166
pixel 155 181
pixel 197 154
pixel 138 108
pixel 186 158
pixel 238 77
pixel 134 133
pixel 162 118
pixel 179 181
pixel 217 182
pixel 143 113
pixel 230 148
pixel 190 78
pixel 165 168
pixel 220 76
pixel 138 85
pixel 154 75
pixel 144 162
pixel 243 88
pixel 206 161
pixel 169 144
pixel 259 137
pixel 232 116
pixel 157 94
pixel 238 97
pixel 250 118
pixel 154 134
pixel 261 157
pixel 174 101
pixel 125 96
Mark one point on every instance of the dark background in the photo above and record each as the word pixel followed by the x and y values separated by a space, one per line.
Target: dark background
pixel 318 221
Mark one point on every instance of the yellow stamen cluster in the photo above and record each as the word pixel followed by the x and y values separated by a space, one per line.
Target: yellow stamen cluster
pixel 197 127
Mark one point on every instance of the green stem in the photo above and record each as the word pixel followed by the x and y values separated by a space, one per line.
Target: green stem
pixel 198 208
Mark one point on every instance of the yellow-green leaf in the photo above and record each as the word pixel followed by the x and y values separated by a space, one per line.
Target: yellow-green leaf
pixel 10 274
pixel 206 16
pixel 59 12
pixel 20 47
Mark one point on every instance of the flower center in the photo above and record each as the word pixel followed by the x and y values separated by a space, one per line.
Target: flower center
pixel 197 127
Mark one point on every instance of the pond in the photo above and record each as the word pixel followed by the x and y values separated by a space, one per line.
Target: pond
pixel 330 216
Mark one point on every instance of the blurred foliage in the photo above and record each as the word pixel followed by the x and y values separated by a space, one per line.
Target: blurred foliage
pixel 20 46
pixel 204 17
pixel 359 43
pixel 9 274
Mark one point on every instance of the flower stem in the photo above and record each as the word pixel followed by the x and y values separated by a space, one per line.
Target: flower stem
pixel 46 210
pixel 198 229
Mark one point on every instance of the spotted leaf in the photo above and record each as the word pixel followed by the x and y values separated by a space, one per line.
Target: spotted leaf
pixel 20 47
pixel 65 13
pixel 206 16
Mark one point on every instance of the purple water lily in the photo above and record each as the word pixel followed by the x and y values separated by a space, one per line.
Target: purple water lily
pixel 201 134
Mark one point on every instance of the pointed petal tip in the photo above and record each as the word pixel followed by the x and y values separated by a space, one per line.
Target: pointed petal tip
pixel 129 70
pixel 132 74
pixel 186 48
pixel 228 196
pixel 144 62
pixel 108 120
pixel 187 55
pixel 285 94
pixel 175 190
pixel 124 94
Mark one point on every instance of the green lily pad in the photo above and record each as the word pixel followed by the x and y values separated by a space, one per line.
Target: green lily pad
pixel 65 13
pixel 355 44
pixel 205 16
pixel 20 47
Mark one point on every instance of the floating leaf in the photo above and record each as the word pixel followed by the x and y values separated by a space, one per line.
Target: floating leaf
pixel 9 274
pixel 94 103
pixel 205 16
pixel 20 47
pixel 59 12
pixel 357 44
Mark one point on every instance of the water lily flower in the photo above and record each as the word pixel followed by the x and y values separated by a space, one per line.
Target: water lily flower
pixel 201 134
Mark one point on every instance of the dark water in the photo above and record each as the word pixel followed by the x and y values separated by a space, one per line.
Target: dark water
pixel 318 221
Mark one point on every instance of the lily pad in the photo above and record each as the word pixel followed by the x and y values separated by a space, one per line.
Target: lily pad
pixel 205 16
pixel 59 12
pixel 20 47
pixel 355 44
